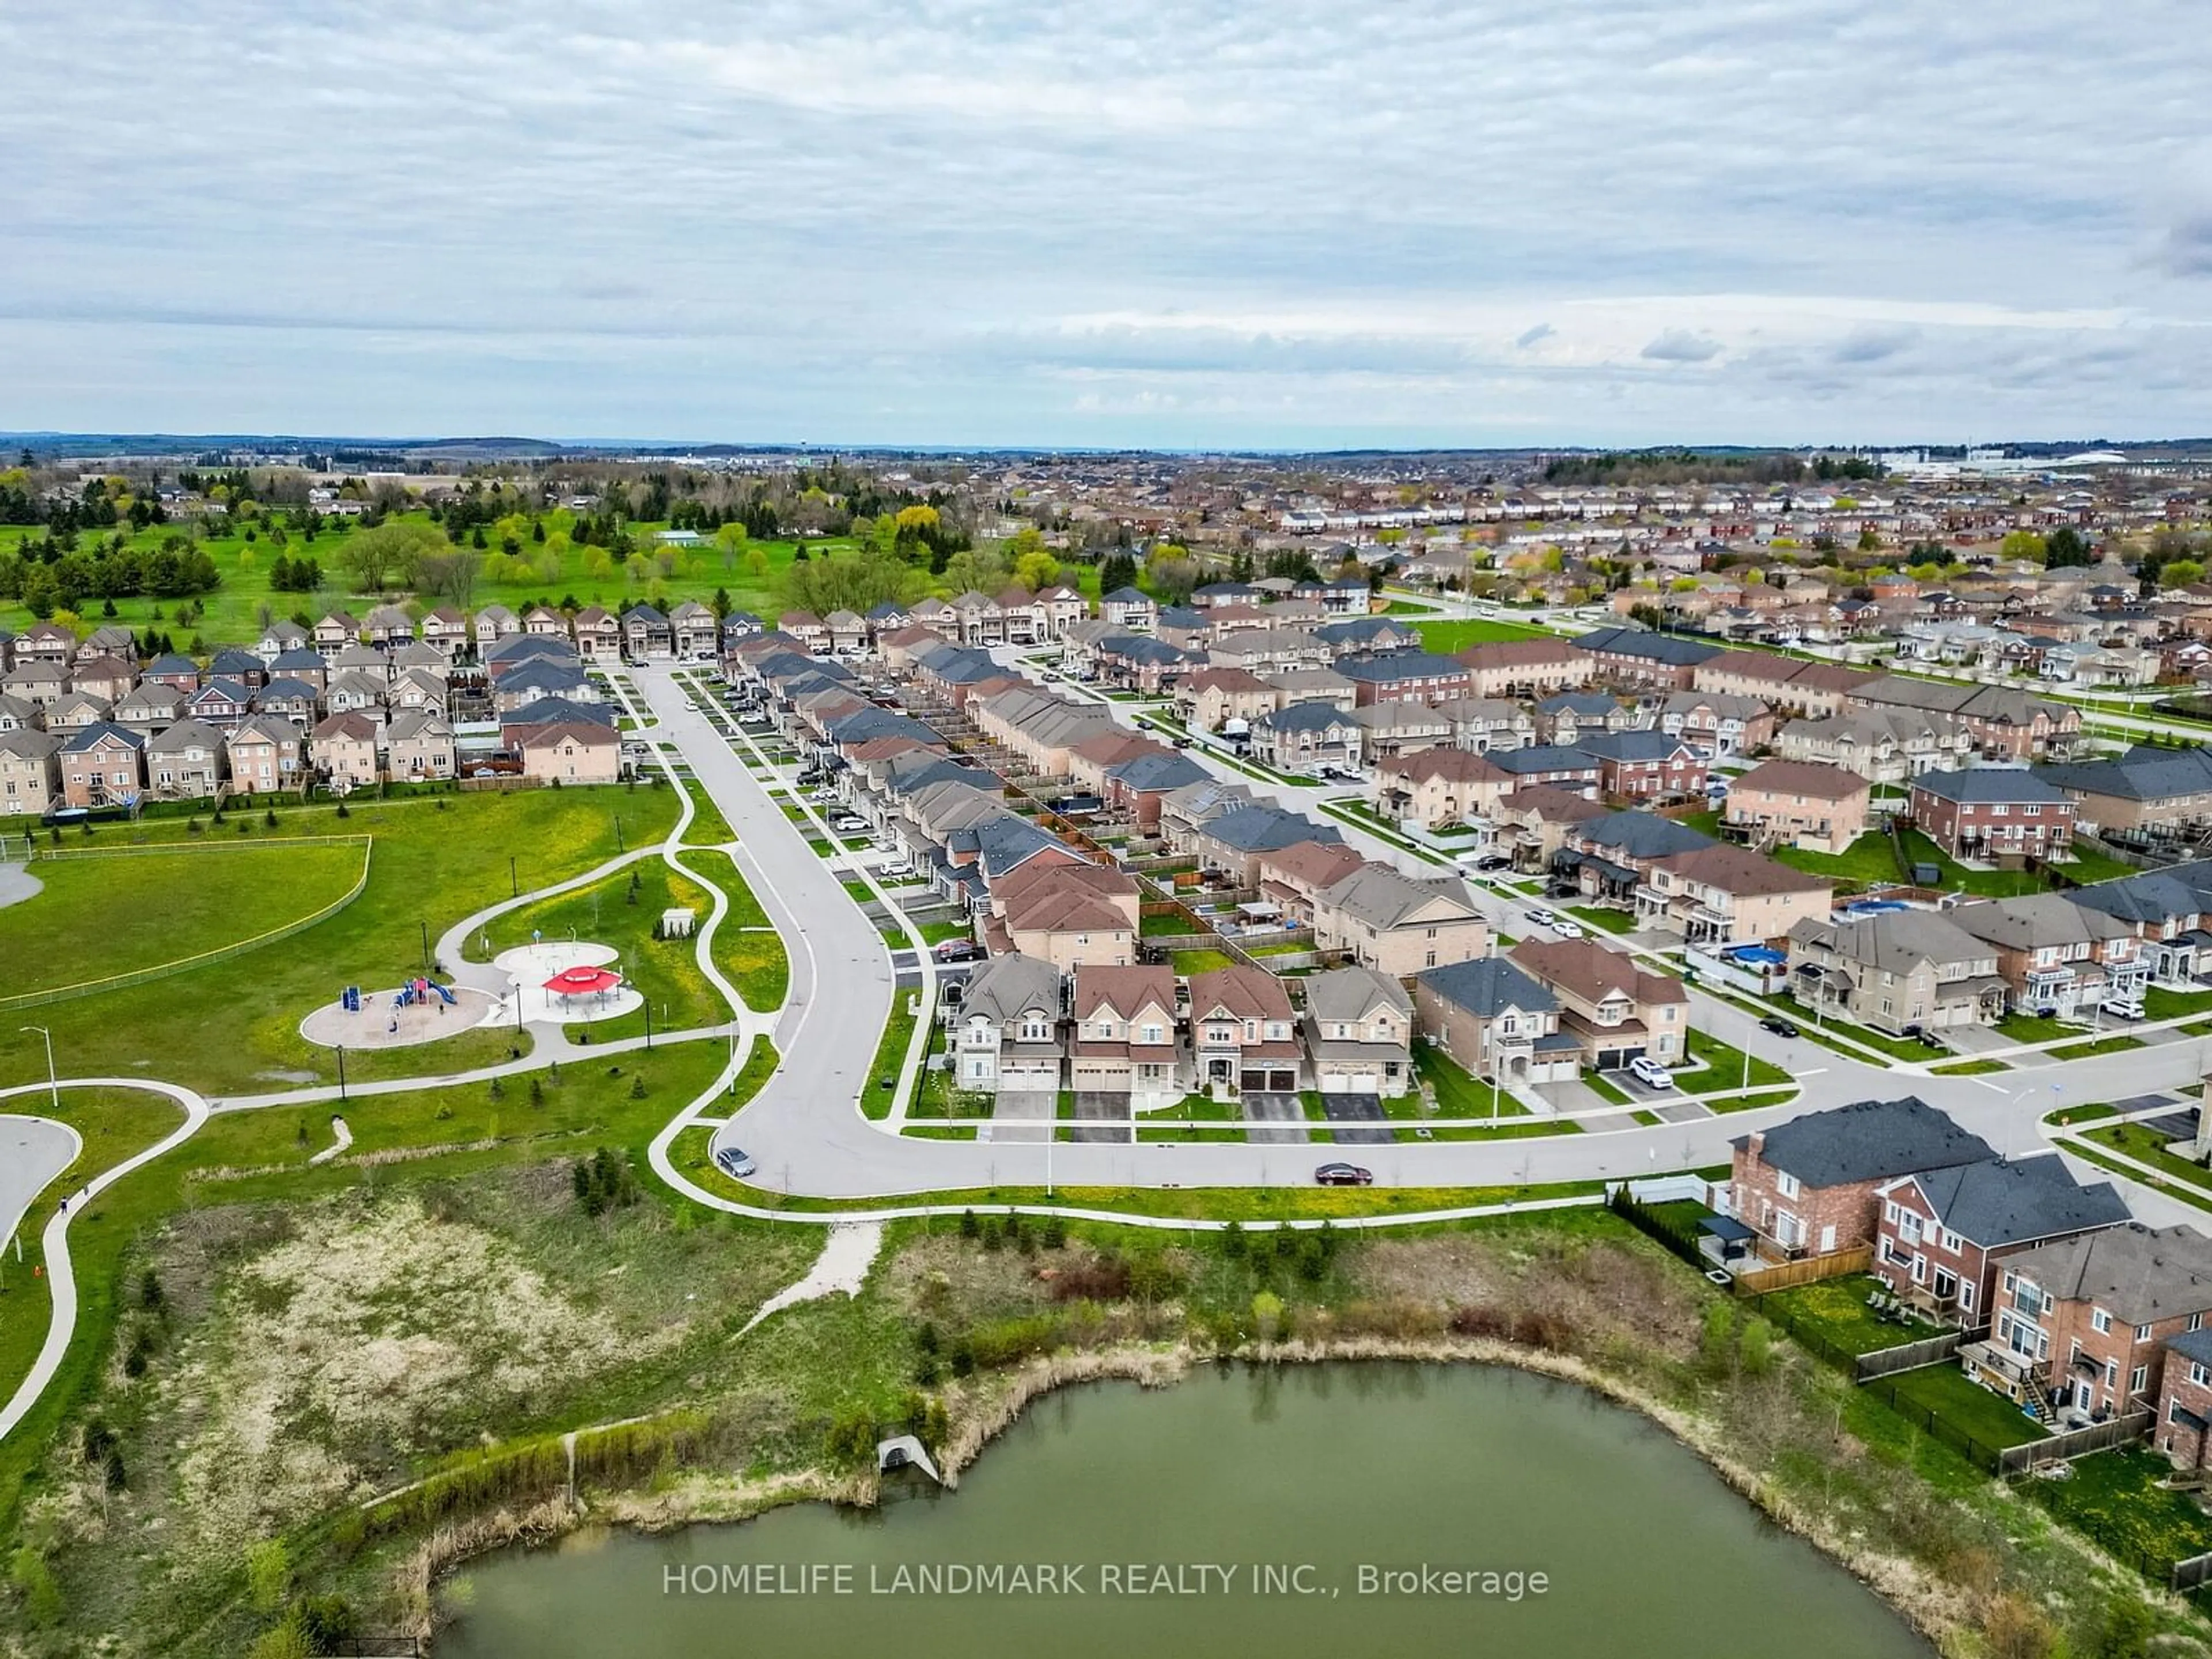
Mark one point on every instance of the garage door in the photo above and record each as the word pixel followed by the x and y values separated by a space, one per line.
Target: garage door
pixel 1284 1081
pixel 1366 1084
pixel 1253 1078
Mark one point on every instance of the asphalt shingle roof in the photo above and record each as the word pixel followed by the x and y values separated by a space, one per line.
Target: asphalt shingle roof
pixel 1870 1140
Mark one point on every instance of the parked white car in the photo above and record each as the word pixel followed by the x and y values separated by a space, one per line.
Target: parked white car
pixel 1650 1072
pixel 2121 1008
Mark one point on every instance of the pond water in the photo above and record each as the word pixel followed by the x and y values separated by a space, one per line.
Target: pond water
pixel 1290 1511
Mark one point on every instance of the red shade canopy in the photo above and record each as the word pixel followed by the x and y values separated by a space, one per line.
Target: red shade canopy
pixel 581 982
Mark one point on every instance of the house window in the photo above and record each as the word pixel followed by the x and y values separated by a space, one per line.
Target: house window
pixel 1786 1184
pixel 1966 1297
pixel 2100 1320
pixel 1153 1034
pixel 2143 1333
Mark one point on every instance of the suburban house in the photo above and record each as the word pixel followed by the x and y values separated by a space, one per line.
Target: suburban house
pixel 1295 876
pixel 30 774
pixel 1567 717
pixel 1358 1031
pixel 1405 677
pixel 343 751
pixel 1894 969
pixel 1726 895
pixel 1065 915
pixel 1989 813
pixel 1439 785
pixel 2085 1321
pixel 419 745
pixel 1395 925
pixel 1638 657
pixel 1005 1038
pixel 1532 825
pixel 1212 696
pixel 1525 668
pixel 1124 1035
pixel 1243 1032
pixel 1942 1232
pixel 1496 1021
pixel 1613 1008
pixel 2184 1399
pixel 597 634
pixel 103 765
pixel 2147 788
pixel 1801 803
pixel 2057 957
pixel 1812 1186
pixel 264 754
pixel 185 761
pixel 1718 726
pixel 1640 766
pixel 572 753
pixel 1883 745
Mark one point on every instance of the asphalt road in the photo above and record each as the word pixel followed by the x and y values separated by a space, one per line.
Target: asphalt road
pixel 33 1152
pixel 807 1135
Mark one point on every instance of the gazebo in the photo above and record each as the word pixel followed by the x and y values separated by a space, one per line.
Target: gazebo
pixel 583 981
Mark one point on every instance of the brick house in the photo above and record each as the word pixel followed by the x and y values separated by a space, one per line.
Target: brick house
pixel 1212 695
pixel 1614 1009
pixel 571 753
pixel 1496 1021
pixel 1359 1032
pixel 1065 914
pixel 2085 1322
pixel 1812 1186
pixel 1645 765
pixel 1729 896
pixel 1405 677
pixel 342 748
pixel 419 744
pixel 1895 969
pixel 2184 1399
pixel 1818 809
pixel 1988 812
pixel 1124 1035
pixel 1005 1038
pixel 103 765
pixel 2056 955
pixel 597 634
pixel 1942 1232
pixel 30 774
pixel 184 762
pixel 1525 668
pixel 1243 1032
pixel 263 755
pixel 1396 925
pixel 1439 785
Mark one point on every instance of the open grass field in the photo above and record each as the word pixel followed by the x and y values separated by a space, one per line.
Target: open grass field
pixel 116 911
pixel 1449 636
pixel 1837 1310
pixel 233 609
pixel 232 1027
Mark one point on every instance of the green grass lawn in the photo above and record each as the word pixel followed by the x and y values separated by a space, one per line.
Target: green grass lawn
pixel 2036 1028
pixel 2111 1045
pixel 1969 1069
pixel 2115 1498
pixel 233 609
pixel 1869 861
pixel 2160 1004
pixel 112 911
pixel 1605 921
pixel 232 1027
pixel 1835 1308
pixel 1458 634
pixel 2146 1146
pixel 620 912
pixel 707 828
pixel 1459 1094
pixel 1165 925
pixel 1199 962
pixel 1967 1408
pixel 890 1057
pixel 1724 1068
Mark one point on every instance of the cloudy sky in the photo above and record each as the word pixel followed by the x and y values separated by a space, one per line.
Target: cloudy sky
pixel 1214 223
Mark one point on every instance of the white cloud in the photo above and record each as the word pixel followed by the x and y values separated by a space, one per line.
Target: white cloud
pixel 1229 222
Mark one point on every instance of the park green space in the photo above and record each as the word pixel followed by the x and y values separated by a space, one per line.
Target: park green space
pixel 1458 635
pixel 105 911
pixel 1870 861
pixel 231 1027
pixel 753 578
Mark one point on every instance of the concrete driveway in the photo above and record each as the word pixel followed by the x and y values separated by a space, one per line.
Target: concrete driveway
pixel 1260 1107
pixel 1090 1106
pixel 1021 1117
pixel 1356 1113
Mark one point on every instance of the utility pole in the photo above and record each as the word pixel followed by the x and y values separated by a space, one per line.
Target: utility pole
pixel 53 1081
pixel 342 1083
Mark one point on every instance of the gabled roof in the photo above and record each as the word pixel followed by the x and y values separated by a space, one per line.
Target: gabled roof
pixel 1869 1140
pixel 1814 779
pixel 2001 1202
pixel 101 732
pixel 2145 1275
pixel 1124 989
pixel 1633 834
pixel 1256 828
pixel 1239 992
pixel 1593 971
pixel 1977 784
pixel 1352 994
pixel 1652 647
pixel 1007 986
pixel 1487 986
pixel 1383 897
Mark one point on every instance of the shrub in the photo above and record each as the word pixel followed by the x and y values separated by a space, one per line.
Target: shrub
pixel 1233 1241
pixel 1102 1278
pixel 1056 1233
pixel 605 1181
pixel 970 1227
pixel 268 1574
pixel 852 1438
pixel 1267 1314
pixel 1481 1320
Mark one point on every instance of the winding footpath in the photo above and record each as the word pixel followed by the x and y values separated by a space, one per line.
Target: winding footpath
pixel 810 1138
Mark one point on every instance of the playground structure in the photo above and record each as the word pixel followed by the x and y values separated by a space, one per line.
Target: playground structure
pixel 569 983
pixel 419 1010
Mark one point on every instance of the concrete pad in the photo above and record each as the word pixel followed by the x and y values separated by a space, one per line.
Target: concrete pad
pixel 527 967
pixel 1261 1107
pixel 16 885
pixel 1091 1106
pixel 1357 1112
pixel 1023 1117
pixel 383 1023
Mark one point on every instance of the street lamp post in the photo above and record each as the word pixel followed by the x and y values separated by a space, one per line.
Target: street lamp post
pixel 53 1080
pixel 342 1083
